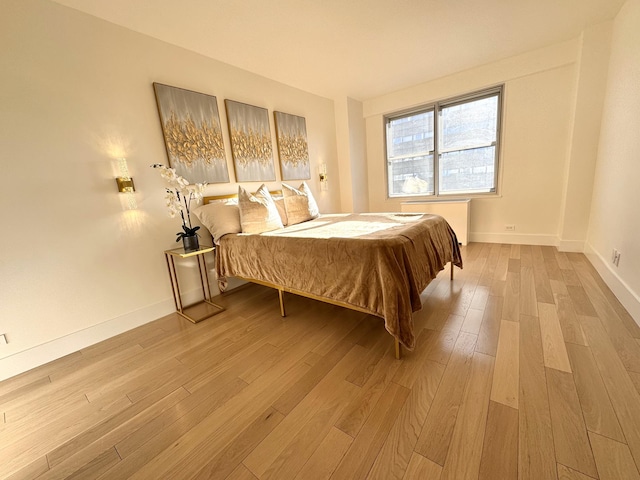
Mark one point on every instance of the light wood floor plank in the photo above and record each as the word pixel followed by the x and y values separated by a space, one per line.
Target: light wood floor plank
pixel 420 467
pixel 500 448
pixel 541 278
pixel 569 431
pixel 528 300
pixel 92 468
pixel 635 378
pixel 363 452
pixel 553 347
pixel 597 410
pixel 435 437
pixel 506 379
pixel 441 346
pixel 490 329
pixel 261 458
pixel 472 321
pixel 581 303
pixel 480 297
pixel 563 261
pixel 571 328
pixel 292 397
pixel 526 256
pixel 465 451
pixel 566 473
pixel 626 346
pixel 241 473
pixel 118 427
pixel 536 458
pixel 396 452
pixel 412 363
pixel 627 319
pixel 302 446
pixel 624 397
pixel 225 462
pixel 570 276
pixel 358 410
pixel 511 307
pixel 36 468
pixel 326 458
pixel 613 459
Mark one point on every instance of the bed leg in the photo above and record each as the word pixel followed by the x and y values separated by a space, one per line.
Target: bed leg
pixel 281 296
pixel 451 270
pixel 398 349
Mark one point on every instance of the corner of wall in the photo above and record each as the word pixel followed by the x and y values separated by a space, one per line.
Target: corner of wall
pixel 39 355
pixel 629 299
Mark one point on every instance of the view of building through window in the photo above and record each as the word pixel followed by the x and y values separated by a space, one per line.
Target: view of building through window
pixel 466 155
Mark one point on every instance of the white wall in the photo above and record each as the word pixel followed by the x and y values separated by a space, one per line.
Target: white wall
pixel 352 155
pixel 76 91
pixel 591 79
pixel 538 108
pixel 615 218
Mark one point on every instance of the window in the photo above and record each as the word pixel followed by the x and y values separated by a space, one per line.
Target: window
pixel 457 139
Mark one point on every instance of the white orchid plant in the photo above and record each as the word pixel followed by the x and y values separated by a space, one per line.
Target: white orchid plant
pixel 179 194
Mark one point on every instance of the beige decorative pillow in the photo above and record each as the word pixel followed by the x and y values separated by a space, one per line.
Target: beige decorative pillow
pixel 219 218
pixel 299 204
pixel 258 213
pixel 279 201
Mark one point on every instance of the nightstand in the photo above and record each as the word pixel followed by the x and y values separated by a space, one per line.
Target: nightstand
pixel 205 308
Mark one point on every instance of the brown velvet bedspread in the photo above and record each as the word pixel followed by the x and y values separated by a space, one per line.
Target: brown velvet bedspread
pixel 376 262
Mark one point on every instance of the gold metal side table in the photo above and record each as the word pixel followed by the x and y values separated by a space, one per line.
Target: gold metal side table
pixel 205 308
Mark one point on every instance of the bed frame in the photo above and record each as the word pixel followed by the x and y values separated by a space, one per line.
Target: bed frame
pixel 282 289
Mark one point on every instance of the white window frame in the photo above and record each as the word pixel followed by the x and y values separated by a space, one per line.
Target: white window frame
pixel 436 108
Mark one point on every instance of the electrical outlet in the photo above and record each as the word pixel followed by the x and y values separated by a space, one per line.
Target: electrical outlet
pixel 3 339
pixel 616 258
pixel 510 228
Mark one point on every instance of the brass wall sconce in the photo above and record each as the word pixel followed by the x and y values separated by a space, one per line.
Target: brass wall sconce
pixel 125 184
pixel 324 178
pixel 124 180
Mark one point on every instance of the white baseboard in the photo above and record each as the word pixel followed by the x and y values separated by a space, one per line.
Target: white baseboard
pixel 514 238
pixel 39 355
pixel 571 246
pixel 629 299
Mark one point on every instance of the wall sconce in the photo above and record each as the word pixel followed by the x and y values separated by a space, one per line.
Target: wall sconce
pixel 124 181
pixel 125 184
pixel 324 179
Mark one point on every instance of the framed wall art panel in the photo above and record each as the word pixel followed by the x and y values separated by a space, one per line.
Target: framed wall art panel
pixel 291 133
pixel 250 142
pixel 192 134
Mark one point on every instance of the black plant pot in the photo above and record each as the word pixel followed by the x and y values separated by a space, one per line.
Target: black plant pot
pixel 190 243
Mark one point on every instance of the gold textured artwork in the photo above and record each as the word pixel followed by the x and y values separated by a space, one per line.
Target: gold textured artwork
pixel 192 134
pixel 250 142
pixel 291 132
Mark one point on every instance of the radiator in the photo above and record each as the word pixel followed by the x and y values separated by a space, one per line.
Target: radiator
pixel 456 212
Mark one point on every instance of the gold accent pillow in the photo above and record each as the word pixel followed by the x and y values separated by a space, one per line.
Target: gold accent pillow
pixel 299 204
pixel 258 213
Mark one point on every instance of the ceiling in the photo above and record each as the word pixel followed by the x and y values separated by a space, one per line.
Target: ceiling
pixel 355 48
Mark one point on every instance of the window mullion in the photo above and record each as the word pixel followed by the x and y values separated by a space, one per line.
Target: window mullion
pixel 436 150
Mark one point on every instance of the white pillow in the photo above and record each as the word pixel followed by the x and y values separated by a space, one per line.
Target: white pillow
pixel 299 204
pixel 219 218
pixel 279 201
pixel 258 213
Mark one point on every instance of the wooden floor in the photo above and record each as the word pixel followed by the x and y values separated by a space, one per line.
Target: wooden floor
pixel 526 367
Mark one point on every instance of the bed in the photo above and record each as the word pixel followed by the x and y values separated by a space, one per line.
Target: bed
pixel 377 263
